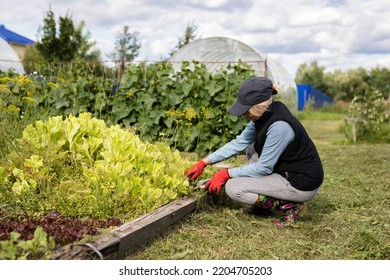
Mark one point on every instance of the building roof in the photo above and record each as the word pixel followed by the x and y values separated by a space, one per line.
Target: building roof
pixel 12 37
pixel 9 59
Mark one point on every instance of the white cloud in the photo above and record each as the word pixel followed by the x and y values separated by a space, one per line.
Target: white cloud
pixel 210 3
pixel 314 16
pixel 336 33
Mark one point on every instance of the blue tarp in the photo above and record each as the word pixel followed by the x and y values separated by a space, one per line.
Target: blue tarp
pixel 12 37
pixel 306 92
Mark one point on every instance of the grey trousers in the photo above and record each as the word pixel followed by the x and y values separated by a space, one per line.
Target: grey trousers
pixel 247 189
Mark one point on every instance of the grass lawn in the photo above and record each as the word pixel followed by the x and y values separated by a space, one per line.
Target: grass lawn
pixel 348 219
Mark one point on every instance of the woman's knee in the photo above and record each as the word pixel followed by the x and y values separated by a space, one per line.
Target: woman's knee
pixel 230 190
pixel 235 190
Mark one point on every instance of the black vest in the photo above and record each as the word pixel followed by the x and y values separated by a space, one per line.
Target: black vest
pixel 300 163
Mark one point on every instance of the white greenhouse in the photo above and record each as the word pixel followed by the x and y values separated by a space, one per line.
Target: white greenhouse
pixel 217 52
pixel 9 59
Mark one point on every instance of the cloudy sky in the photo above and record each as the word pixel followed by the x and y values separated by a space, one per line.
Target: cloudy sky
pixel 338 34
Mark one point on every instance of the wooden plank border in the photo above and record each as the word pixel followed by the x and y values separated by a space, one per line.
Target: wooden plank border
pixel 131 235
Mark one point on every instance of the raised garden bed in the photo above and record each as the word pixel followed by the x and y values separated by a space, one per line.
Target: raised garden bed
pixel 127 238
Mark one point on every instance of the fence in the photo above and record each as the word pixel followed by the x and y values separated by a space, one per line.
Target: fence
pixel 93 67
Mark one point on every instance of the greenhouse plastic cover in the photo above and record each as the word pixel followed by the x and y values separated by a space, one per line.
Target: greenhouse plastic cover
pixel 9 59
pixel 217 52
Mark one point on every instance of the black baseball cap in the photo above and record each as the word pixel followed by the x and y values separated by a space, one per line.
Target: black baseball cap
pixel 253 91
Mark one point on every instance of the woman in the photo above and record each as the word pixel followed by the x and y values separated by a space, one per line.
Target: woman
pixel 284 169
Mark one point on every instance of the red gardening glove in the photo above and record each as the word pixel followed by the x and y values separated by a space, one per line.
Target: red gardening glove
pixel 196 170
pixel 215 184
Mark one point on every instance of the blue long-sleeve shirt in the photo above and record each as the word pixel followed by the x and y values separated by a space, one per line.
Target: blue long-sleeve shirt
pixel 278 136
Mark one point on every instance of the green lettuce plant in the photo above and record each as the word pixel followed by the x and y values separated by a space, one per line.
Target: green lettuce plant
pixel 80 167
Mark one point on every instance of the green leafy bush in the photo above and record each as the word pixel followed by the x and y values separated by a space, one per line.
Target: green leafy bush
pixel 374 112
pixel 186 108
pixel 141 100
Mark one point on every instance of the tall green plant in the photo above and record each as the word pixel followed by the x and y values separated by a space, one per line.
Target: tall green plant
pixel 159 105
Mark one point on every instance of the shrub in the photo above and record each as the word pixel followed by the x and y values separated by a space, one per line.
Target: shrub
pixel 374 112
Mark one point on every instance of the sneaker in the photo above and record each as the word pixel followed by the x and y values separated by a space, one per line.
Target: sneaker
pixel 257 211
pixel 292 213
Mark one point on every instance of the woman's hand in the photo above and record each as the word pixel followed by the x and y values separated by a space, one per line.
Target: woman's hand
pixel 215 184
pixel 196 170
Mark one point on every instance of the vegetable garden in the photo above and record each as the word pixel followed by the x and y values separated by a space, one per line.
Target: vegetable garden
pixel 82 152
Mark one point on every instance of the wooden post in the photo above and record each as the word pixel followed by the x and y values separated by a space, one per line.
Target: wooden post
pixel 265 68
pixel 354 121
pixel 354 131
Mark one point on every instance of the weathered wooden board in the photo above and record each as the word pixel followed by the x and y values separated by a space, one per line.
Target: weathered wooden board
pixel 130 236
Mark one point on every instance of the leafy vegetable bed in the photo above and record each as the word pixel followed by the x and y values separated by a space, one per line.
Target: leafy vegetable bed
pixel 78 167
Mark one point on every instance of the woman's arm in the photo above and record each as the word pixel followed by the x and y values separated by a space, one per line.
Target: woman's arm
pixel 234 147
pixel 279 135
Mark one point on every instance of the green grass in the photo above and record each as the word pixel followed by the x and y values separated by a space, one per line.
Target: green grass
pixel 348 219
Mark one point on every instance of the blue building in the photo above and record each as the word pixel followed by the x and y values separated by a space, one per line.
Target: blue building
pixel 307 92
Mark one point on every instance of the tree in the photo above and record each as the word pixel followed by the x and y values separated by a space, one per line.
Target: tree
pixel 351 83
pixel 66 43
pixel 345 85
pixel 188 36
pixel 86 50
pixel 312 74
pixel 126 46
pixel 379 79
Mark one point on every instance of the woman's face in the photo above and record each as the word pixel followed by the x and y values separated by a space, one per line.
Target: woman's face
pixel 251 117
pixel 257 111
